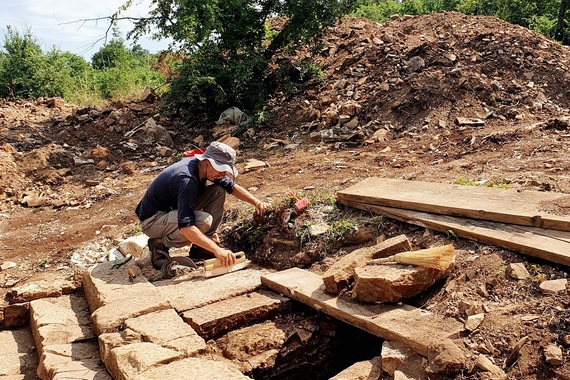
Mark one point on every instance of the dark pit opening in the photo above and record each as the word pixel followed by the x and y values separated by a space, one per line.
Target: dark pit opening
pixel 334 347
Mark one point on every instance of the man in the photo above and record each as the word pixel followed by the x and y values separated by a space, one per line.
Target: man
pixel 180 208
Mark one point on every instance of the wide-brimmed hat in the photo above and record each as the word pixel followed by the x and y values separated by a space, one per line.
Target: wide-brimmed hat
pixel 221 156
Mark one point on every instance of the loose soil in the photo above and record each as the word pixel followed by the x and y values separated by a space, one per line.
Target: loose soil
pixel 387 106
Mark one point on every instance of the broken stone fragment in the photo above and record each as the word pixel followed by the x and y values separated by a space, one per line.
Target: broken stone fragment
pixel 253 164
pixel 486 364
pixel 446 358
pixel 393 283
pixel 7 265
pixel 396 355
pixel 318 229
pixel 553 354
pixel 473 321
pixel 554 286
pixel 518 271
pixel 341 273
pixel 416 64
pixel 474 122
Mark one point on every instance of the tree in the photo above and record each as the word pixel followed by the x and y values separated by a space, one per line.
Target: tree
pixel 112 54
pixel 229 47
pixel 21 64
pixel 559 34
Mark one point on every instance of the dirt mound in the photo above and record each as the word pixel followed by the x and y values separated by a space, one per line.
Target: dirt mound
pixel 443 97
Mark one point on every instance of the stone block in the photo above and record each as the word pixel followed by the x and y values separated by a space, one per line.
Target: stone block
pixel 56 357
pixel 192 368
pixel 104 284
pixel 17 353
pixel 60 320
pixel 393 283
pixel 111 316
pixel 128 361
pixel 364 370
pixel 213 319
pixel 166 328
pixel 395 355
pixel 208 290
pixel 341 273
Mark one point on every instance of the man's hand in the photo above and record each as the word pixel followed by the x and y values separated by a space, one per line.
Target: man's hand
pixel 262 207
pixel 226 256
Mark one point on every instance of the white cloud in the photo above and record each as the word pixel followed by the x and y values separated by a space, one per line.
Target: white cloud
pixel 59 23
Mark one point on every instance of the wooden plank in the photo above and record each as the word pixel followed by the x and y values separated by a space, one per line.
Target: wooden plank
pixel 550 245
pixel 216 318
pixel 217 263
pixel 223 270
pixel 529 208
pixel 387 321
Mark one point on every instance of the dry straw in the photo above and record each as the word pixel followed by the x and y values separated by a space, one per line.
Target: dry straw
pixel 438 258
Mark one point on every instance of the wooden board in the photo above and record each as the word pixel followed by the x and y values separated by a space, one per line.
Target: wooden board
pixel 529 208
pixel 387 321
pixel 550 245
pixel 223 270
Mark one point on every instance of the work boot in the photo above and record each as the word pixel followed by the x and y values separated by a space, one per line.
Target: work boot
pixel 158 252
pixel 199 254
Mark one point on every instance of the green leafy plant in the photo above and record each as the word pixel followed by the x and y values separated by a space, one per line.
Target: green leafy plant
pixel 302 234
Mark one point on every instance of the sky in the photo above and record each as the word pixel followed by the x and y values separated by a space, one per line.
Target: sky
pixel 52 23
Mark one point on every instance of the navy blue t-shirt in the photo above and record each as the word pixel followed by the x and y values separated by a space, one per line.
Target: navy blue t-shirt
pixel 176 188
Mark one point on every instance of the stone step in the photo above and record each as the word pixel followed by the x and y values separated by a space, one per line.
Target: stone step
pixel 19 359
pixel 216 318
pixel 66 344
pixel 140 330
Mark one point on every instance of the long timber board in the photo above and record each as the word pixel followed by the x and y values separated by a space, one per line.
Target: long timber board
pixel 528 208
pixel 550 245
pixel 403 323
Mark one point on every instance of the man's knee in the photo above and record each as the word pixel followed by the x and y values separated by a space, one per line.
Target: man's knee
pixel 204 221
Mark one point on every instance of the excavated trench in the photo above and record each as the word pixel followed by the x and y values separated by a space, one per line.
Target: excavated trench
pixel 316 346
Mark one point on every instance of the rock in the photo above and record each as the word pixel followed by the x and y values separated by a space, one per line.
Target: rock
pixel 7 265
pixel 164 151
pixel 233 116
pixel 486 364
pixel 553 286
pixel 473 321
pixel 469 121
pixel 518 271
pixel 128 167
pixel 340 274
pixel 157 132
pixel 468 307
pixel 353 123
pixel 364 370
pixel 318 229
pixel 253 164
pixel 33 200
pixel 393 283
pixel 553 355
pixel 133 245
pixel 416 64
pixel 16 315
pixel 396 355
pixel 41 289
pixel 148 95
pixel 446 358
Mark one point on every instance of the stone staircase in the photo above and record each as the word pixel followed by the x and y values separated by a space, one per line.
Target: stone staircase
pixel 119 326
pixel 118 329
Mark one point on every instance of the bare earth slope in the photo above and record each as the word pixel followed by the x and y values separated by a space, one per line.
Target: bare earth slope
pixel 442 98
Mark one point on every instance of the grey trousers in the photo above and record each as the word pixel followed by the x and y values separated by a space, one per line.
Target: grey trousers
pixel 209 211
